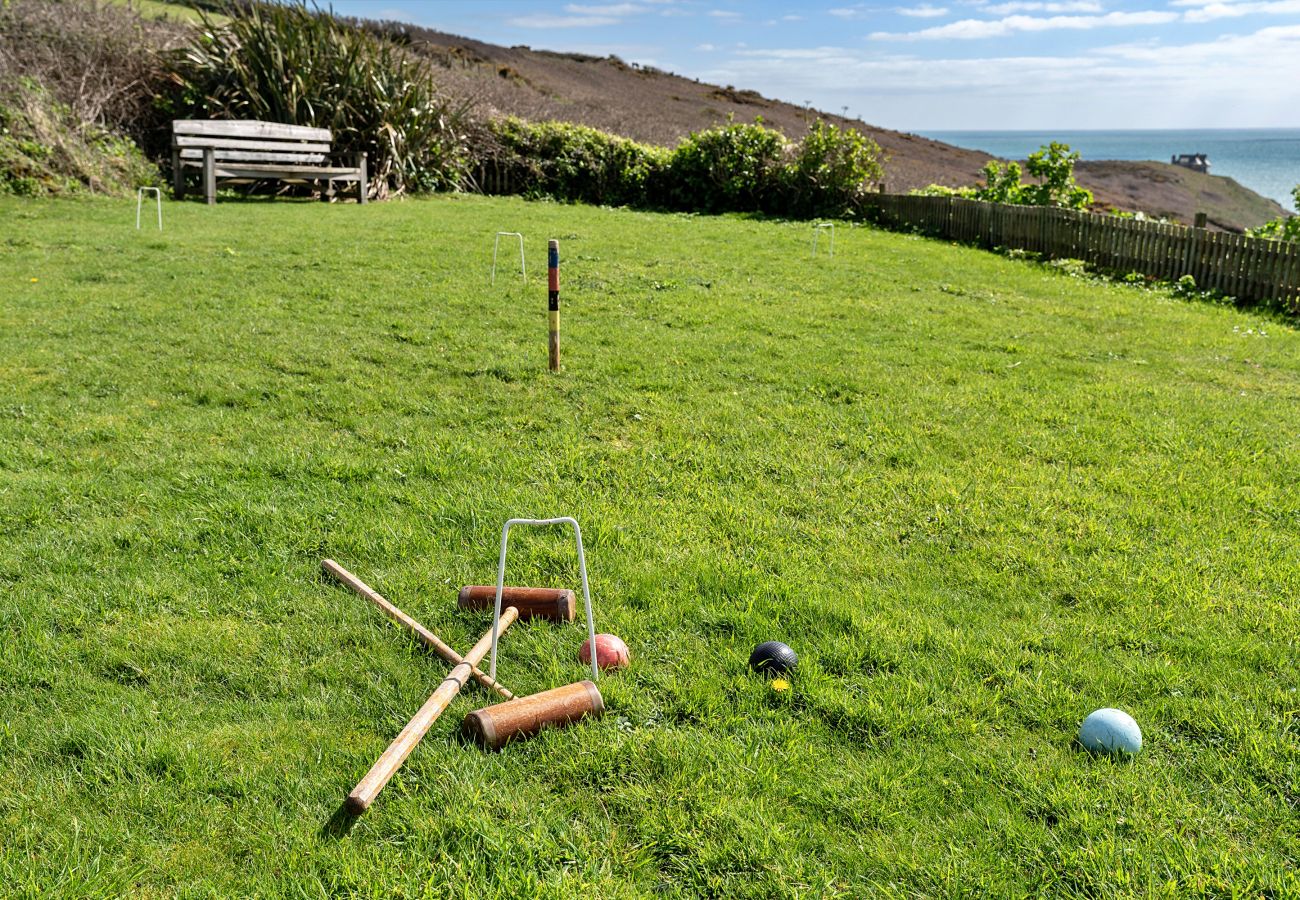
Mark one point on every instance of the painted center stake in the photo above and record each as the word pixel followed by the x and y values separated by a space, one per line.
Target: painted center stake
pixel 553 300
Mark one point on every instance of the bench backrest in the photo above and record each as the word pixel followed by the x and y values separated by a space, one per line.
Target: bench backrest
pixel 265 142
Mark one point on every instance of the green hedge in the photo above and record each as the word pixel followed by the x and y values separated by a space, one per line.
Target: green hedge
pixel 729 168
pixel 576 163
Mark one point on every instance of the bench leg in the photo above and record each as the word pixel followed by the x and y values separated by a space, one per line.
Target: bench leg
pixel 178 176
pixel 209 176
pixel 363 185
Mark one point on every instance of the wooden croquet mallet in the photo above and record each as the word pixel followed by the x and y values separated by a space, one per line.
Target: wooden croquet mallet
pixel 430 639
pixel 495 726
pixel 553 301
pixel 391 760
pixel 547 603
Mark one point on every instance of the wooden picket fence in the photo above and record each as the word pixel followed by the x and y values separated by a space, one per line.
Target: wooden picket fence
pixel 1249 269
pixel 494 177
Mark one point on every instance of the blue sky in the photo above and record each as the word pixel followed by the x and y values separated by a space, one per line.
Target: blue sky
pixel 936 64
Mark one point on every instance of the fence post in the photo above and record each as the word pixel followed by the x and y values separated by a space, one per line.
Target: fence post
pixel 1202 219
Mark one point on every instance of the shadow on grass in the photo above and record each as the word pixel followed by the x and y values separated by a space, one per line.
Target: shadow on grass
pixel 340 824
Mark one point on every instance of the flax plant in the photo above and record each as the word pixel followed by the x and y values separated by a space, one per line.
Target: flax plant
pixel 296 65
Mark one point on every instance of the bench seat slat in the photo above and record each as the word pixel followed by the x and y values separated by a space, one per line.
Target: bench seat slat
pixel 244 151
pixel 252 156
pixel 220 143
pixel 256 170
pixel 232 128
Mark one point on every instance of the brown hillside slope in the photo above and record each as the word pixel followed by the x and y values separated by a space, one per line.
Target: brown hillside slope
pixel 658 107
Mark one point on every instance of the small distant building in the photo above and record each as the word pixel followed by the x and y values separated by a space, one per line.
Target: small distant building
pixel 1197 162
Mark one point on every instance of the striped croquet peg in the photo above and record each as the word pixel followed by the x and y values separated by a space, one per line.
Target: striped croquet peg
pixel 553 300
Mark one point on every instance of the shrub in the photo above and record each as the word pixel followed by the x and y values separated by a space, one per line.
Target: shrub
pixel 46 148
pixel 942 190
pixel 286 63
pixel 1286 228
pixel 1052 165
pixel 96 60
pixel 574 162
pixel 730 168
pixel 830 171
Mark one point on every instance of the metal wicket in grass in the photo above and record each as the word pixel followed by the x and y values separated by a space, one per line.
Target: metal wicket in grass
pixel 496 243
pixel 139 202
pixel 818 228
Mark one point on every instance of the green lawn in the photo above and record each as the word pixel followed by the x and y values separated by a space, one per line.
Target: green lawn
pixel 979 497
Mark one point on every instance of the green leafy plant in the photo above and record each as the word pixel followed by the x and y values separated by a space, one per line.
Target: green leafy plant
pixel 287 63
pixel 574 162
pixel 728 168
pixel 943 190
pixel 46 148
pixel 1053 168
pixel 830 170
pixel 731 168
pixel 1286 228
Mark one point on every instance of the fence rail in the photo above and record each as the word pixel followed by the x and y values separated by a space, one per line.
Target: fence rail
pixel 1249 269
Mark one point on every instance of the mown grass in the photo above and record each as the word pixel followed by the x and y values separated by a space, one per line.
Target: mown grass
pixel 979 497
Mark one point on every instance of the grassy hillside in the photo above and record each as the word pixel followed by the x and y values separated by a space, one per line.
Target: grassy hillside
pixel 979 497
pixel 658 107
pixel 1175 193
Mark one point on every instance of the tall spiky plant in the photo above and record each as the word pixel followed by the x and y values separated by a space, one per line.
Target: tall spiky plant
pixel 288 63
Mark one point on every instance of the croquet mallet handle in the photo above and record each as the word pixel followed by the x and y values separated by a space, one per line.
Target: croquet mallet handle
pixel 391 759
pixel 430 640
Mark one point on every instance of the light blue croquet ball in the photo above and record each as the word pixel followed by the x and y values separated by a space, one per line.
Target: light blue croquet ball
pixel 1110 731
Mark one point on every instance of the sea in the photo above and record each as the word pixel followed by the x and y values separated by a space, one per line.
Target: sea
pixel 1266 160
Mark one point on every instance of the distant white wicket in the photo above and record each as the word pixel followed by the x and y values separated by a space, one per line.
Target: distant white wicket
pixel 139 201
pixel 523 273
pixel 817 230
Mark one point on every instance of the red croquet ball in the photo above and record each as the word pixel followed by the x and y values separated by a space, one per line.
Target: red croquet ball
pixel 611 652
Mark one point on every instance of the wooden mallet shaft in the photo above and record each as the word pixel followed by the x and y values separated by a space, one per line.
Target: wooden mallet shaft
pixel 391 759
pixel 428 637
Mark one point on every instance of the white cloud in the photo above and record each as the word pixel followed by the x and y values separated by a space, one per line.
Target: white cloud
pixel 1277 47
pixel 705 48
pixel 1065 6
pixel 792 18
pixel 1207 12
pixel 550 21
pixel 924 11
pixel 970 29
pixel 613 9
pixel 581 15
pixel 1134 85
pixel 724 14
pixel 847 12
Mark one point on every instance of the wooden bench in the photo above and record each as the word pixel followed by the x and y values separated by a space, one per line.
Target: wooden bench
pixel 248 151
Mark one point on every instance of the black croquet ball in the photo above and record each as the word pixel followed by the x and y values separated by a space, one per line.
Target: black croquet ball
pixel 773 658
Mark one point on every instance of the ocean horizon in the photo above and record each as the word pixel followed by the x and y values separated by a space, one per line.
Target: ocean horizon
pixel 1266 160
